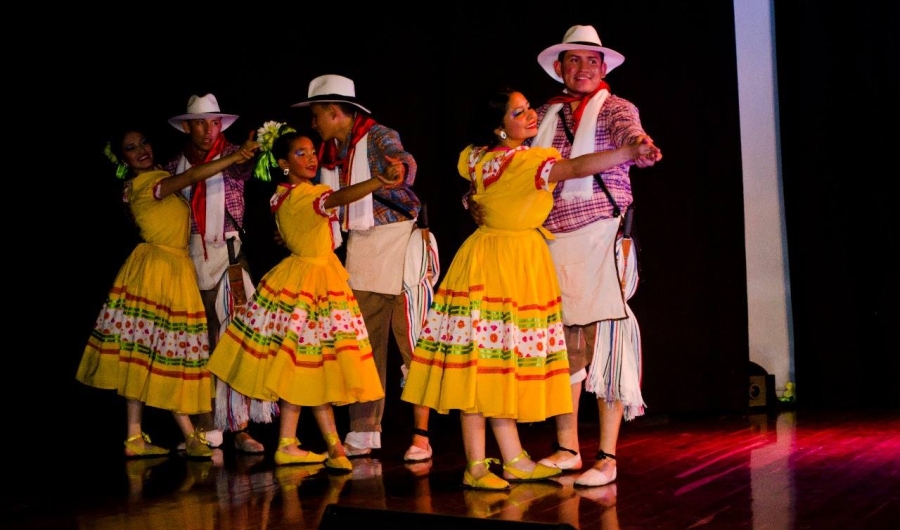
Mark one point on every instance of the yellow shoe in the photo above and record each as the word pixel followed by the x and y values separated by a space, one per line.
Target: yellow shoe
pixel 196 446
pixel 142 450
pixel 487 482
pixel 340 463
pixel 540 471
pixel 282 458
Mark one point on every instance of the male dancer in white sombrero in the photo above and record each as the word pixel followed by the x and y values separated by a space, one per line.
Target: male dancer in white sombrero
pixel 601 331
pixel 381 228
pixel 217 217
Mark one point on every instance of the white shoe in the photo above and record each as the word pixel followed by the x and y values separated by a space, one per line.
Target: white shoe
pixel 214 438
pixel 417 454
pixel 594 477
pixel 572 463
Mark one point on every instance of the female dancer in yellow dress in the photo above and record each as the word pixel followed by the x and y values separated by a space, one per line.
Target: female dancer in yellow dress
pixel 492 345
pixel 302 339
pixel 150 342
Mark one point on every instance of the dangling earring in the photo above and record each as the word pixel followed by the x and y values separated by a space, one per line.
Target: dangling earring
pixel 286 171
pixel 503 135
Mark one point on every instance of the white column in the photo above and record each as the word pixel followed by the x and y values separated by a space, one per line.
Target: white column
pixel 768 282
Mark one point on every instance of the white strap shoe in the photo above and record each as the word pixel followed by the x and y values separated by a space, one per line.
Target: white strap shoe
pixel 595 477
pixel 417 454
pixel 572 463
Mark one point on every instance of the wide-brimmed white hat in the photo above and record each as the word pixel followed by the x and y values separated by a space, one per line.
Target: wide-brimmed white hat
pixel 331 88
pixel 579 38
pixel 199 108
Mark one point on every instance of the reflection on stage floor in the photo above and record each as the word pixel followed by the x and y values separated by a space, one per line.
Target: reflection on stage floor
pixel 777 470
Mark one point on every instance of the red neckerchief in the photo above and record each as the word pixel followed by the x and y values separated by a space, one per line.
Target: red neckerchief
pixel 198 193
pixel 328 150
pixel 569 98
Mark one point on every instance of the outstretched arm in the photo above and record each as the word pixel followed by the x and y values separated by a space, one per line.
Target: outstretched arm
pixel 592 163
pixel 359 190
pixel 170 185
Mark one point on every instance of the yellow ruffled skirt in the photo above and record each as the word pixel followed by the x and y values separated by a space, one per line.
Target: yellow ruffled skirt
pixel 493 339
pixel 150 340
pixel 301 339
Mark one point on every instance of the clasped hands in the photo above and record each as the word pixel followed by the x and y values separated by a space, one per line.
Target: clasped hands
pixel 248 148
pixel 394 174
pixel 648 153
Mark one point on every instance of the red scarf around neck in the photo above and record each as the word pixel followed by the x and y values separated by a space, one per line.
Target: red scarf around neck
pixel 569 98
pixel 328 150
pixel 198 193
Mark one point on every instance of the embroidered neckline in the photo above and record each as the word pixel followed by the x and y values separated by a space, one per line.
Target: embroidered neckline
pixel 495 167
pixel 281 193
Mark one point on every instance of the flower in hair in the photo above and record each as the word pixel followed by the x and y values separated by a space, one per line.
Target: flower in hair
pixel 265 137
pixel 121 168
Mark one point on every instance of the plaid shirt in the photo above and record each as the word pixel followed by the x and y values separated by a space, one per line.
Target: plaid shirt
pixel 382 142
pixel 617 124
pixel 235 176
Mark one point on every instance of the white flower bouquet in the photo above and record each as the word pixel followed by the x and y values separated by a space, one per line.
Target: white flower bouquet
pixel 265 137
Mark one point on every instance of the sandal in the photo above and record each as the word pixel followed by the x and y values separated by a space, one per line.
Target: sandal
pixel 416 453
pixel 338 463
pixel 489 481
pixel 569 463
pixel 196 446
pixel 249 445
pixel 143 450
pixel 282 458
pixel 594 477
pixel 540 471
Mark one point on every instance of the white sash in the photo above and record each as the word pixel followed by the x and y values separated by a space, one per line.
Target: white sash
pixel 215 202
pixel 583 143
pixel 358 214
pixel 210 269
pixel 417 287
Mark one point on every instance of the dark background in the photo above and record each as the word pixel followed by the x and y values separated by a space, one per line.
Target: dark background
pixel 418 73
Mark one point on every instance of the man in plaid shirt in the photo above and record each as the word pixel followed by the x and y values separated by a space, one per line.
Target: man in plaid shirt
pixel 217 215
pixel 595 278
pixel 356 147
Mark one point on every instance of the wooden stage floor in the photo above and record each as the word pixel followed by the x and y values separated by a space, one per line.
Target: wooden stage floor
pixel 775 470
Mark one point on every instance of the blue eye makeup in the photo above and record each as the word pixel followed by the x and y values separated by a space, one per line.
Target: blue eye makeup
pixel 132 147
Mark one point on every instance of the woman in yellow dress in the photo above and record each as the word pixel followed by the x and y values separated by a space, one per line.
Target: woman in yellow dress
pixel 302 339
pixel 149 342
pixel 492 345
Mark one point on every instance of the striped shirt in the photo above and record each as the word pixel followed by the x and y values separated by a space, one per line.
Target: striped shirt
pixel 384 141
pixel 617 124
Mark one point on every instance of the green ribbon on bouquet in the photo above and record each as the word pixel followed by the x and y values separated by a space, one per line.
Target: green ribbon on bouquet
pixel 266 136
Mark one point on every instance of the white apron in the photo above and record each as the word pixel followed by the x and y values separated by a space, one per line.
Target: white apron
pixel 585 263
pixel 376 257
